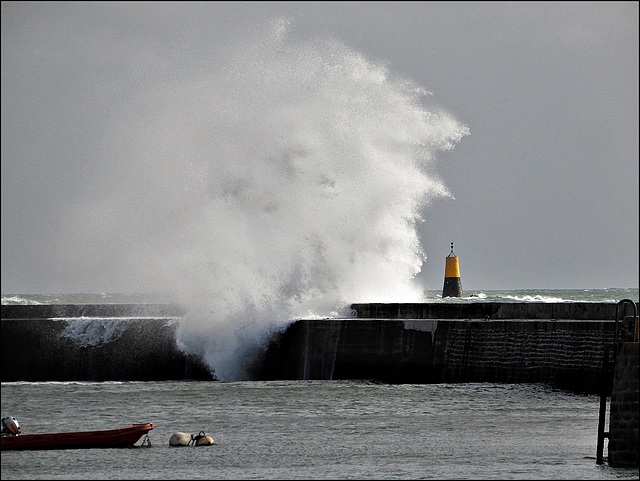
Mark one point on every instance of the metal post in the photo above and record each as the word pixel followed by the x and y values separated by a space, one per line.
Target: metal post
pixel 603 406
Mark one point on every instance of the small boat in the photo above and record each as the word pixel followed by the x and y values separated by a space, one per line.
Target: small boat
pixel 108 438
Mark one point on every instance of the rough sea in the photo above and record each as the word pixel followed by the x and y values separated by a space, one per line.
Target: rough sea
pixel 317 429
pixel 271 178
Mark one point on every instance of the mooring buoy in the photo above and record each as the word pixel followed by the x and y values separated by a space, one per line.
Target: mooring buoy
pixel 180 439
pixel 185 439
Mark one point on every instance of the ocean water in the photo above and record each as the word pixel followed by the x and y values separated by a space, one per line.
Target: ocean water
pixel 317 429
pixel 314 430
pixel 514 295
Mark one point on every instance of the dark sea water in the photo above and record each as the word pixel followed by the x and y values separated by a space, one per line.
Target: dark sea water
pixel 314 430
pixel 317 429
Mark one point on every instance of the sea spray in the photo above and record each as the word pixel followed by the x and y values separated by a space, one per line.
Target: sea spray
pixel 86 332
pixel 284 181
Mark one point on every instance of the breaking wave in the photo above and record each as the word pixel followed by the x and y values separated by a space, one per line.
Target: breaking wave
pixel 285 180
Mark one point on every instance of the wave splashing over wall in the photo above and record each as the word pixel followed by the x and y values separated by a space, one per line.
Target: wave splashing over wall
pixel 286 181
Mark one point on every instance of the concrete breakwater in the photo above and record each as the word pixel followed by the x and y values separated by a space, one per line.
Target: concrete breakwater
pixel 556 343
pixel 560 344
pixel 488 310
pixel 102 342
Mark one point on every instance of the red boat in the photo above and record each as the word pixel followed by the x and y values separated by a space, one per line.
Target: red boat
pixel 108 438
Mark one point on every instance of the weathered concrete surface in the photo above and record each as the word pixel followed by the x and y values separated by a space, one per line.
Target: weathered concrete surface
pixel 624 445
pixel 555 343
pixel 395 351
pixel 565 354
pixel 72 343
pixel 490 310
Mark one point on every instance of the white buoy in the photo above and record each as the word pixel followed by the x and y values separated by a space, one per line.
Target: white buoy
pixel 180 439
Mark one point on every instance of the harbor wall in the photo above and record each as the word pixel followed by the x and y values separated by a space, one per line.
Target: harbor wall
pixel 556 343
pixel 564 354
pixel 560 344
pixel 624 444
pixel 110 342
pixel 488 310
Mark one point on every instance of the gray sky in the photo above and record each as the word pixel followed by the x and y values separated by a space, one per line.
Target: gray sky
pixel 545 186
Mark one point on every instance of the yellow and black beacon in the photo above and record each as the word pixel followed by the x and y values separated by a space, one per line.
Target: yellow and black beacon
pixel 452 283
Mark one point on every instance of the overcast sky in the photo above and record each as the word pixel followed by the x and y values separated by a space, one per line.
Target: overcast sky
pixel 544 189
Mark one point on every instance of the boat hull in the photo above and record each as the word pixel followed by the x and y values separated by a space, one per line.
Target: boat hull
pixel 108 438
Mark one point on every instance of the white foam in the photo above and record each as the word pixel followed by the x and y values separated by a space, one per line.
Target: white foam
pixel 536 298
pixel 18 300
pixel 285 180
pixel 93 332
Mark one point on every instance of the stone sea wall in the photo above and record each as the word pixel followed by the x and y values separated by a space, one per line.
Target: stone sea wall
pixel 110 342
pixel 564 354
pixel 556 343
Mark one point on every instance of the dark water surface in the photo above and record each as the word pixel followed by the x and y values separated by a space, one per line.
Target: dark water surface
pixel 314 430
